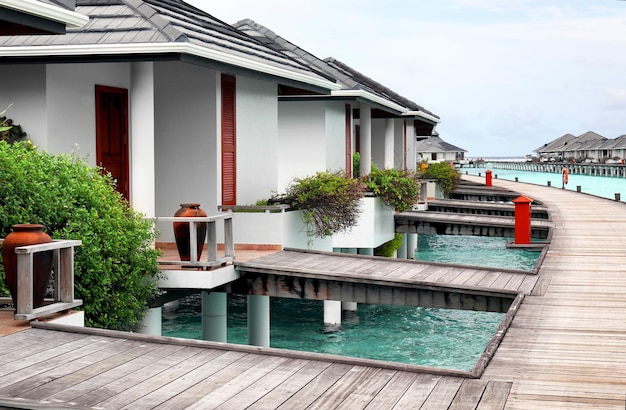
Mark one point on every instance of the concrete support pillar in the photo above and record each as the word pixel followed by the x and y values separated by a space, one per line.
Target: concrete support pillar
pixel 411 245
pixel 152 322
pixel 214 323
pixel 389 144
pixel 259 320
pixel 142 177
pixel 365 139
pixel 332 315
pixel 349 306
pixel 401 254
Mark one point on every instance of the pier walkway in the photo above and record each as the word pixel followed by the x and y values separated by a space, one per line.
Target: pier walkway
pixel 564 349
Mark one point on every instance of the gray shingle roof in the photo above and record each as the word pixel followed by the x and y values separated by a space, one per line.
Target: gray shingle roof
pixel 332 68
pixel 434 143
pixel 140 22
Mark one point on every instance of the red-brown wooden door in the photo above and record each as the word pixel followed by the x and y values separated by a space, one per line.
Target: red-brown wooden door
pixel 229 141
pixel 112 134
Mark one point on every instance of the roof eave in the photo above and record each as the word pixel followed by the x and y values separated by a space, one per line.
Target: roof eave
pixel 162 48
pixel 36 8
pixel 423 115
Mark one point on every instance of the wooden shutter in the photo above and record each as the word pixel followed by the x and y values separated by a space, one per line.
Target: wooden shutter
pixel 229 142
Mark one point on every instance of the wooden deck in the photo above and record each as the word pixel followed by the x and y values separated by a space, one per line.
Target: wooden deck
pixel 565 348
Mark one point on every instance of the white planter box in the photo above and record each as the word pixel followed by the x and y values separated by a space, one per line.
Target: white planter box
pixel 376 226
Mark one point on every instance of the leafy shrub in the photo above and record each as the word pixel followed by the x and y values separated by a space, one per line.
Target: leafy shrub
pixel 445 174
pixel 389 248
pixel 116 266
pixel 356 165
pixel 397 189
pixel 329 202
pixel 9 131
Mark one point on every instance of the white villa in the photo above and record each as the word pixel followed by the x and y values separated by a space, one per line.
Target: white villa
pixel 588 147
pixel 183 108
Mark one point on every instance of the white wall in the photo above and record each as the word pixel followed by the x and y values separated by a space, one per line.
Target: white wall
pixel 335 136
pixel 257 139
pixel 378 142
pixel 186 130
pixel 302 140
pixel 398 145
pixel 24 86
pixel 70 102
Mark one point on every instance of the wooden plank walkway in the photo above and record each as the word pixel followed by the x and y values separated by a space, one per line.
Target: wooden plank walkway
pixel 379 270
pixel 565 349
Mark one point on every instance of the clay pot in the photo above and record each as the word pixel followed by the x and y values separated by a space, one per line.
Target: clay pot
pixel 23 235
pixel 181 230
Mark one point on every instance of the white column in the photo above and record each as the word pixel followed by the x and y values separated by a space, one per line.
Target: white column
pixel 259 320
pixel 409 147
pixel 411 245
pixel 402 254
pixel 151 323
pixel 214 319
pixel 389 143
pixel 365 118
pixel 332 315
pixel 142 171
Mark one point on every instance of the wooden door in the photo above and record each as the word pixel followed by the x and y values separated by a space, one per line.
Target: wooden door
pixel 112 134
pixel 229 142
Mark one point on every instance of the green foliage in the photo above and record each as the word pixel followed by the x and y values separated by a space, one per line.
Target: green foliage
pixel 389 248
pixel 9 131
pixel 397 189
pixel 445 174
pixel 329 202
pixel 356 164
pixel 116 268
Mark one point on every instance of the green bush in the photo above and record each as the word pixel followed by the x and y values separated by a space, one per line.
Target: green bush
pixel 116 267
pixel 445 174
pixel 329 202
pixel 397 189
pixel 389 248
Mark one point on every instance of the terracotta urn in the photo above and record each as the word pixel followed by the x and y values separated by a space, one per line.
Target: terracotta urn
pixel 181 230
pixel 23 235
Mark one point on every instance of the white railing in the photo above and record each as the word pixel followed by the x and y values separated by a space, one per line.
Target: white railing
pixel 63 268
pixel 213 259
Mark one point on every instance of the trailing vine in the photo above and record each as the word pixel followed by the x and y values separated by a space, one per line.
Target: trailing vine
pixel 329 202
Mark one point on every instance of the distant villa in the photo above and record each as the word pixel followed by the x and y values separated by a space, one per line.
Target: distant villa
pixel 433 149
pixel 589 147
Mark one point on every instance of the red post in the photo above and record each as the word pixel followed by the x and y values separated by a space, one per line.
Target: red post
pixel 522 219
pixel 488 177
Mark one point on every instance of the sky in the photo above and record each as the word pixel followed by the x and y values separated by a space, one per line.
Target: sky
pixel 505 77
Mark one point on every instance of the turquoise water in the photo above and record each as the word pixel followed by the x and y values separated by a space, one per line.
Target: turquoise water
pixel 446 338
pixel 605 187
pixel 474 250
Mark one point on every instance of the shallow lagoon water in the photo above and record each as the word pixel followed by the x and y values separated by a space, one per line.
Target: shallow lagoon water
pixel 605 187
pixel 445 338
pixel 474 250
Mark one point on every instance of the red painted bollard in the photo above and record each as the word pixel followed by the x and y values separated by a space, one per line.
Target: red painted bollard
pixel 488 177
pixel 522 219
